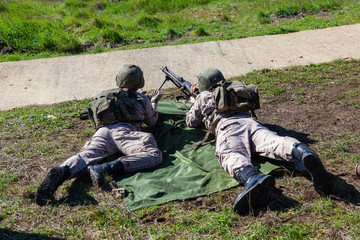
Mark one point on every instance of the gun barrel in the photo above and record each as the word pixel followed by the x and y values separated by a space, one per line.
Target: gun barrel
pixel 171 74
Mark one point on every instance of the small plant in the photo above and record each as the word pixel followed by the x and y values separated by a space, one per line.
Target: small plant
pixel 75 3
pixel 341 146
pixel 300 99
pixel 146 20
pixel 172 34
pixel 224 17
pixel 99 5
pixel 3 7
pixel 99 23
pixel 112 36
pixel 331 4
pixel 200 31
pixel 72 46
pixel 286 11
pixel 264 17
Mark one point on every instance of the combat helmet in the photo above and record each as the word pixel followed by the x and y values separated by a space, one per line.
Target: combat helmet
pixel 208 77
pixel 130 77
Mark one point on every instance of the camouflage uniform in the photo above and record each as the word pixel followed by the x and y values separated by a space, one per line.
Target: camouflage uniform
pixel 238 135
pixel 140 148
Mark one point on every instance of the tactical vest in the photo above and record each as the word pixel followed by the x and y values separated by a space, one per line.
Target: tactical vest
pixel 236 96
pixel 112 106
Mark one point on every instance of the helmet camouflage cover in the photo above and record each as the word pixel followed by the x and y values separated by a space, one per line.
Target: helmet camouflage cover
pixel 131 77
pixel 208 77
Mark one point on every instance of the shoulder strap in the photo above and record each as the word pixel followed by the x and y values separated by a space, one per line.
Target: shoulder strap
pixel 197 144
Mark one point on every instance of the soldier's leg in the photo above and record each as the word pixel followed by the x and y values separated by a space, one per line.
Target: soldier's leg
pixel 93 151
pixel 232 148
pixel 234 155
pixel 140 150
pixel 267 143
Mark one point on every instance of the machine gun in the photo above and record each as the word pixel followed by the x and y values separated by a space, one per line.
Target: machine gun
pixel 183 85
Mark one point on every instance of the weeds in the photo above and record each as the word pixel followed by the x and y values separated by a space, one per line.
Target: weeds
pixel 38 29
pixel 200 31
pixel 264 17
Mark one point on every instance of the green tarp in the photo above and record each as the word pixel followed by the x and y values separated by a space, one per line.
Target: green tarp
pixel 181 175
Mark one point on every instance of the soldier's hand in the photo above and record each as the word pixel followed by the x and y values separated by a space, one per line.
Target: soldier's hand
pixel 193 88
pixel 156 97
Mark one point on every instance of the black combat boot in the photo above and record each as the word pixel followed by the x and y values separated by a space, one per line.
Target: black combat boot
pixel 97 172
pixel 256 192
pixel 53 180
pixel 321 179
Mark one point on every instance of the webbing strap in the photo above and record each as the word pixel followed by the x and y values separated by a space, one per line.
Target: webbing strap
pixel 206 136
pixel 198 144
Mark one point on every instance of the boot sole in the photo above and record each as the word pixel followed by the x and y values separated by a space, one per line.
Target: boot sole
pixel 44 195
pixel 255 197
pixel 321 179
pixel 94 179
pixel 46 190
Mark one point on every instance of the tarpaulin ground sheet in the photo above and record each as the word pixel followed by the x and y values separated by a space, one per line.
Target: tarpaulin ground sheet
pixel 181 175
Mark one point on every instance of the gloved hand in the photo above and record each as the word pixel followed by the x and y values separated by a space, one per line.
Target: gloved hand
pixel 156 97
pixel 193 88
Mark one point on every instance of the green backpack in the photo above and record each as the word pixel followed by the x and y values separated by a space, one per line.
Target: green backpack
pixel 236 96
pixel 112 106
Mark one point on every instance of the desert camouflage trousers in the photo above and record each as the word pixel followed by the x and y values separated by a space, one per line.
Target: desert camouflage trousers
pixel 139 149
pixel 239 137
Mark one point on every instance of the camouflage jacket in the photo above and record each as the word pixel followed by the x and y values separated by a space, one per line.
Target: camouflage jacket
pixel 202 110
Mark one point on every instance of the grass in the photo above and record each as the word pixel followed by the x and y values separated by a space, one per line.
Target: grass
pixel 33 139
pixel 40 29
pixel 36 138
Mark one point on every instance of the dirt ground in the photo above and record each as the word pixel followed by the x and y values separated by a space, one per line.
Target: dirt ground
pixel 320 122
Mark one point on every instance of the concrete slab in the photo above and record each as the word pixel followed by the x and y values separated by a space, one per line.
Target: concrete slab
pixel 47 81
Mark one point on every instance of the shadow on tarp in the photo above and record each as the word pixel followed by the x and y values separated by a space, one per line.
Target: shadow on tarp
pixel 7 234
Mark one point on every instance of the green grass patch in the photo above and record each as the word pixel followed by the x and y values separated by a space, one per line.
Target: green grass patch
pixel 6 178
pixel 40 29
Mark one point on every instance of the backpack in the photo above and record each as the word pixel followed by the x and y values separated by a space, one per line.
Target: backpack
pixel 112 106
pixel 236 96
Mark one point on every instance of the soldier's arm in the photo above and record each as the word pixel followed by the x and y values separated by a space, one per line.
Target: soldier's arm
pixel 202 107
pixel 194 116
pixel 151 113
